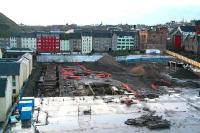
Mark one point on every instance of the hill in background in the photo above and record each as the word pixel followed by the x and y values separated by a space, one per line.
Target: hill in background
pixel 7 26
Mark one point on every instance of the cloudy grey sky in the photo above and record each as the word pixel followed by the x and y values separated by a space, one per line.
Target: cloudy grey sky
pixel 47 12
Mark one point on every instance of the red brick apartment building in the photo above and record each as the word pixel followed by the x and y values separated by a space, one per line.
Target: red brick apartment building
pixel 48 43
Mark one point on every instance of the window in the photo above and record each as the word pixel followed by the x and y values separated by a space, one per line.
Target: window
pixel 14 91
pixel 13 80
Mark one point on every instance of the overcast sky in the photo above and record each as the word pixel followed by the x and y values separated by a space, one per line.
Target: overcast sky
pixel 48 12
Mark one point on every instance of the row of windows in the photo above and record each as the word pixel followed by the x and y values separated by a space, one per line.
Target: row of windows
pixel 29 41
pixel 64 45
pixel 28 46
pixel 86 47
pixel 48 47
pixel 4 39
pixel 125 39
pixel 48 44
pixel 52 37
pixel 87 40
pixel 13 41
pixel 84 50
pixel 129 43
pixel 39 41
pixel 127 47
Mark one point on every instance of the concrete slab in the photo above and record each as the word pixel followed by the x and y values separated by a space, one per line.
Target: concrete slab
pixel 65 114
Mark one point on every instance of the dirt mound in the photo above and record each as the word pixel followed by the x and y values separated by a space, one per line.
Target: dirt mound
pixel 184 74
pixel 108 60
pixel 138 70
pixel 148 70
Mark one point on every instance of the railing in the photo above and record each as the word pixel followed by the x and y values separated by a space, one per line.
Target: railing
pixel 183 58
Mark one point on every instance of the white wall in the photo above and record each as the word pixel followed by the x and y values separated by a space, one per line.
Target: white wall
pixel 28 42
pixel 30 59
pixel 18 84
pixel 25 69
pixel 13 42
pixel 0 53
pixel 6 102
pixel 86 44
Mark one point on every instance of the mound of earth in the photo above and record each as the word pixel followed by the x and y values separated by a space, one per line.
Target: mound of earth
pixel 148 70
pixel 184 74
pixel 138 70
pixel 108 60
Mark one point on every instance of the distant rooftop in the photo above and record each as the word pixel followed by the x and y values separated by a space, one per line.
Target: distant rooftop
pixel 188 28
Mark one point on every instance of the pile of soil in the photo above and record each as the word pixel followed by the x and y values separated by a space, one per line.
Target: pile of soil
pixel 109 60
pixel 138 70
pixel 148 70
pixel 182 73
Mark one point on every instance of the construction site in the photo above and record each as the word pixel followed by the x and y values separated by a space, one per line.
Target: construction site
pixel 108 77
pixel 109 96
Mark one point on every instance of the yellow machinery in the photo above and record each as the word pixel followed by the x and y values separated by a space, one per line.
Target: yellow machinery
pixel 183 58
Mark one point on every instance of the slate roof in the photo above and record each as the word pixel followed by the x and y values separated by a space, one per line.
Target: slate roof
pixel 64 36
pixel 123 33
pixel 197 22
pixel 8 59
pixel 85 33
pixel 74 35
pixel 188 28
pixel 3 82
pixel 102 34
pixel 9 68
pixel 45 34
pixel 27 35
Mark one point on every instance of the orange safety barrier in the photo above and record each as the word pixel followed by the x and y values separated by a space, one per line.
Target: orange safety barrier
pixel 103 75
pixel 128 88
pixel 68 69
pixel 154 86
pixel 68 73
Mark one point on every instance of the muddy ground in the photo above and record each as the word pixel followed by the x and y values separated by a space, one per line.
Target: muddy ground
pixel 141 77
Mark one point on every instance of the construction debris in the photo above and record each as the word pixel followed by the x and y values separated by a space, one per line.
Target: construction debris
pixel 183 73
pixel 150 121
